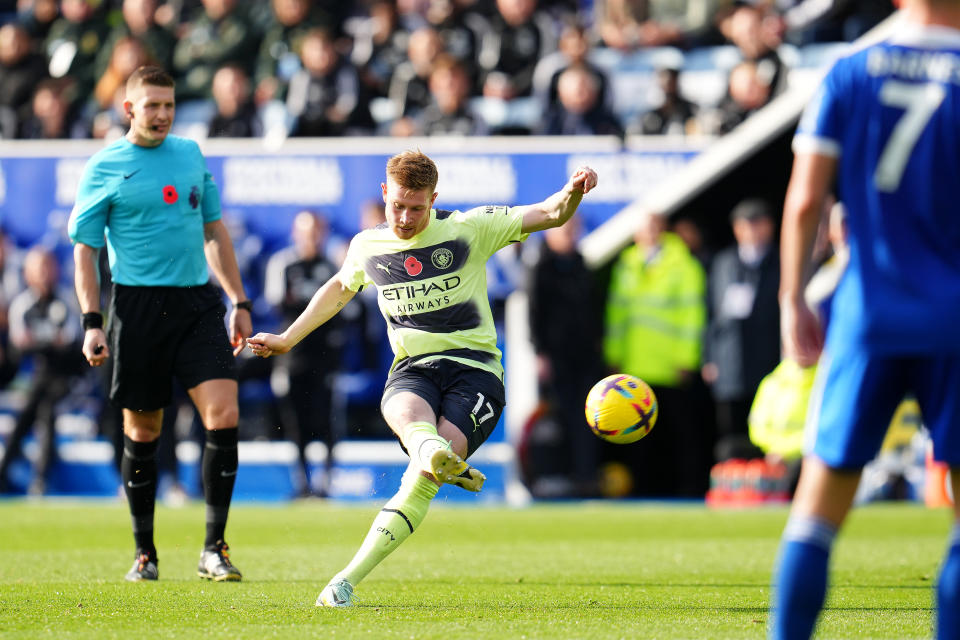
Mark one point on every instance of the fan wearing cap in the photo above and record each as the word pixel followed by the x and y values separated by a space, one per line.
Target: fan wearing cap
pixel 742 343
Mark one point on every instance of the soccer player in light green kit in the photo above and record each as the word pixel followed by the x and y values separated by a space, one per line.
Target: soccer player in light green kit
pixel 444 394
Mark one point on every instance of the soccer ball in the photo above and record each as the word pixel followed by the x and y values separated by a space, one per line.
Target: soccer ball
pixel 621 408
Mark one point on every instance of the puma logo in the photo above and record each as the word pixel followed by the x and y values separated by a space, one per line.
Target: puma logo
pixel 385 267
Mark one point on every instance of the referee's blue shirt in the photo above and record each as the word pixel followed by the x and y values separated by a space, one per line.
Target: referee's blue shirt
pixel 152 203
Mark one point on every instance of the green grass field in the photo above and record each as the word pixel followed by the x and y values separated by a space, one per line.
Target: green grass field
pixel 578 570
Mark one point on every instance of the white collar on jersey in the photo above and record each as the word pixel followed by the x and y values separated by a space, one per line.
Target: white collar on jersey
pixel 924 36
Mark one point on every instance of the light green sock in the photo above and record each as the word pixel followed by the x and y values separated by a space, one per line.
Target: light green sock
pixel 422 440
pixel 402 514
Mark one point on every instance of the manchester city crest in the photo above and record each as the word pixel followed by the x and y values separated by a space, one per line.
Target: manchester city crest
pixel 442 258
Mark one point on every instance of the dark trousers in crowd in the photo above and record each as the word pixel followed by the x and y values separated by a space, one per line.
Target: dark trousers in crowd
pixel 44 394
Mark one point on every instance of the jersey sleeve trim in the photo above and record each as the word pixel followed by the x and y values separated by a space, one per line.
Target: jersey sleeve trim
pixel 806 143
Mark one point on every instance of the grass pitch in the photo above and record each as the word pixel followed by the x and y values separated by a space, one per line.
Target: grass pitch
pixel 578 570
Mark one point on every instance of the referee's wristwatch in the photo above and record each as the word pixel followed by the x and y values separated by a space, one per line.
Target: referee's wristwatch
pixel 246 305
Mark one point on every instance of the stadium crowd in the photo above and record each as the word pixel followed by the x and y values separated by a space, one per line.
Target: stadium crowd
pixel 435 67
pixel 403 67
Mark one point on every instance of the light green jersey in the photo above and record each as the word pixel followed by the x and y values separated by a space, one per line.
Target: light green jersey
pixel 432 288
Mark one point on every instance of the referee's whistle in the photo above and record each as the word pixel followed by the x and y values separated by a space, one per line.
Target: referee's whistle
pixel 97 350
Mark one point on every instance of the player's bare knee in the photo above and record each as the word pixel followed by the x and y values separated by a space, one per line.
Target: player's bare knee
pixel 221 417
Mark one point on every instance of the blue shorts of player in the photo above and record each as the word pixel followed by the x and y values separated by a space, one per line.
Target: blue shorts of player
pixel 857 394
pixel 472 399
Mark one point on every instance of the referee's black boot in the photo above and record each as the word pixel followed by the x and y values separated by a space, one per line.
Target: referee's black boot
pixel 215 564
pixel 144 568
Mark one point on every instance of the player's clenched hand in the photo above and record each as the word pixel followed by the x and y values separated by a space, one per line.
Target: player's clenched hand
pixel 95 347
pixel 267 344
pixel 800 332
pixel 583 179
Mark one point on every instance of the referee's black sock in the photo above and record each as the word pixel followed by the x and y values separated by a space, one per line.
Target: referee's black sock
pixel 138 469
pixel 219 474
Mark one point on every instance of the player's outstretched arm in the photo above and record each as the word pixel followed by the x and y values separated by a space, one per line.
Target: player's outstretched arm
pixel 810 180
pixel 558 208
pixel 326 303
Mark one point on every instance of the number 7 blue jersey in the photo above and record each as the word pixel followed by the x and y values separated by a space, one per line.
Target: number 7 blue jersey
pixel 890 113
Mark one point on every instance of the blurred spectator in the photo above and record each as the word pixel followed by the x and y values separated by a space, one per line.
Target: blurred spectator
pixel 127 55
pixel 580 111
pixel 73 43
pixel 746 93
pixel 675 116
pixel 293 276
pixel 518 37
pixel 461 30
pixel 379 46
pixel 236 115
pixel 104 111
pixel 745 27
pixel 11 285
pixel 410 85
pixel 565 302
pixel 450 113
pixel 38 16
pixel 112 122
pixel 805 21
pixel 44 326
pixel 573 47
pixel 324 96
pixel 743 337
pixel 21 69
pixel 216 35
pixel 655 317
pixel 632 24
pixel 278 59
pixel 139 22
pixel 50 115
pixel 692 235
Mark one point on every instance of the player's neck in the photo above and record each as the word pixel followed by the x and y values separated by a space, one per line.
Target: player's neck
pixel 940 14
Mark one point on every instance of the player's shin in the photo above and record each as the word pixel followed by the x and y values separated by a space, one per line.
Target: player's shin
pixel 948 589
pixel 138 469
pixel 800 579
pixel 219 474
pixel 400 517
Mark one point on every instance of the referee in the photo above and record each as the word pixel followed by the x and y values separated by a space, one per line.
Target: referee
pixel 150 193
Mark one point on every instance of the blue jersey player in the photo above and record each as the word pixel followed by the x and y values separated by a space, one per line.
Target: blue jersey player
pixel 885 125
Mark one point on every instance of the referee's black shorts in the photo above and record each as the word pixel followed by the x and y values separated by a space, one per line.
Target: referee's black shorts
pixel 160 332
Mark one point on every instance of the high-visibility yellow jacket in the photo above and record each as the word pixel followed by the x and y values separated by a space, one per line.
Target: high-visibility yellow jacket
pixel 656 313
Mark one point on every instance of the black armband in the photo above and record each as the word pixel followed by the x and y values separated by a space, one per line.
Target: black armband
pixel 92 320
pixel 247 305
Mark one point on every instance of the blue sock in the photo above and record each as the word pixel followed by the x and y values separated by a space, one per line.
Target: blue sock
pixel 948 590
pixel 800 580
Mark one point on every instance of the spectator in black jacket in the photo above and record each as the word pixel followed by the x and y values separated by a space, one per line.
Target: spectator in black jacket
pixel 743 335
pixel 21 69
pixel 579 110
pixel 450 113
pixel 44 326
pixel 236 115
pixel 324 96
pixel 674 116
pixel 565 302
pixel 519 36
pixel 293 275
